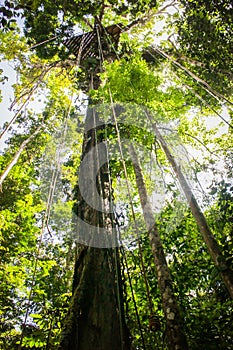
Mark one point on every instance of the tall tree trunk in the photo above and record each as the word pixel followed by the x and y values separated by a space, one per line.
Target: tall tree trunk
pixel 95 320
pixel 175 335
pixel 225 272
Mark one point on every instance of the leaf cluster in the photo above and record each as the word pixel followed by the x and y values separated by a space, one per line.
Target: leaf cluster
pixel 205 32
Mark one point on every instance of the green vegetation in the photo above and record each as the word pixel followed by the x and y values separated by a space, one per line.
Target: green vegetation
pixel 51 282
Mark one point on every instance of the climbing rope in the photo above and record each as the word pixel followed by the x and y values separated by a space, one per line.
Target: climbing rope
pixel 131 202
pixel 212 92
pixel 44 42
pixel 45 222
pixel 216 95
pixel 133 297
pixel 117 271
pixel 143 269
pixel 202 100
pixel 26 102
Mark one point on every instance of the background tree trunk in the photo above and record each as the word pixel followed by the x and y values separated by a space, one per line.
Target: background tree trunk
pixel 212 245
pixel 175 336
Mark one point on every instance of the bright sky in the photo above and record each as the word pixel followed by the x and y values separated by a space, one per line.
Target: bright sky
pixel 7 95
pixel 7 91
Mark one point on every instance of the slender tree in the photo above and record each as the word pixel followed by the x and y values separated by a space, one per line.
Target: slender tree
pixel 212 245
pixel 174 328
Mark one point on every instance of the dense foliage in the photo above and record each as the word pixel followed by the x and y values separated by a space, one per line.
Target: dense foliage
pixel 205 33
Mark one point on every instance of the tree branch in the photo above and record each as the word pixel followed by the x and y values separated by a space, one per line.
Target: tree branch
pixel 17 154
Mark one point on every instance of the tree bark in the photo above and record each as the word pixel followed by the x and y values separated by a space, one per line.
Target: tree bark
pixel 96 316
pixel 176 339
pixel 212 245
